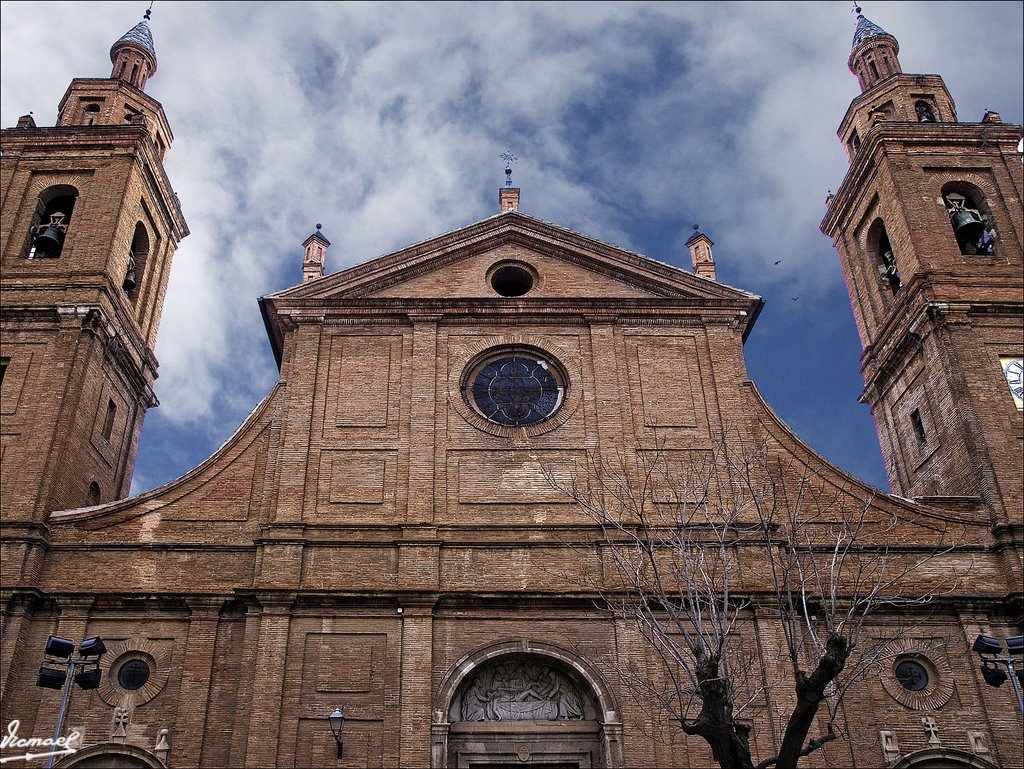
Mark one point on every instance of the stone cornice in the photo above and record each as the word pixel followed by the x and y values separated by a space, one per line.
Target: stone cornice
pixel 121 340
pixel 288 313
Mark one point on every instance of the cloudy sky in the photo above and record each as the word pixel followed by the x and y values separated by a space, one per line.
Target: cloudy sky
pixel 385 122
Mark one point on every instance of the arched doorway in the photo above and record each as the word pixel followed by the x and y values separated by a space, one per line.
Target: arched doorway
pixel 523 703
pixel 942 758
pixel 110 756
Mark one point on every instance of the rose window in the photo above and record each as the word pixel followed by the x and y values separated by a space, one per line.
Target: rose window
pixel 515 387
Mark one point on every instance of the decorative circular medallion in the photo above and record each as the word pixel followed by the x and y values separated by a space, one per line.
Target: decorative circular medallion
pixel 920 676
pixel 515 387
pixel 134 671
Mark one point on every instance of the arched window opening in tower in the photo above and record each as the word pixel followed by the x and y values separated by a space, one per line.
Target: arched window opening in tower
pixel 48 232
pixel 136 262
pixel 94 494
pixel 92 112
pixel 925 113
pixel 919 431
pixel 881 251
pixel 888 265
pixel 854 143
pixel 970 219
pixel 108 420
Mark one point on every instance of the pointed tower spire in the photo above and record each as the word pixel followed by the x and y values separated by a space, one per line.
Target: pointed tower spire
pixel 133 55
pixel 874 54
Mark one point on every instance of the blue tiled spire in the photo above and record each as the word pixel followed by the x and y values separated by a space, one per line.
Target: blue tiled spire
pixel 865 31
pixel 139 35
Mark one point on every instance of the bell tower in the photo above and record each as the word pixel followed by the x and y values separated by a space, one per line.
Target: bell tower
pixel 928 226
pixel 89 229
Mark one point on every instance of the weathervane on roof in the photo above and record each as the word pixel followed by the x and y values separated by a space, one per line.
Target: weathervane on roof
pixel 509 159
pixel 149 11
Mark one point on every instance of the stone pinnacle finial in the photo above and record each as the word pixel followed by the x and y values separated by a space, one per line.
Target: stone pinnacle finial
pixel 700 254
pixel 315 258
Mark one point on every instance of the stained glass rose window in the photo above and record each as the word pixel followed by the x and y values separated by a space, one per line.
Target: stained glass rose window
pixel 515 387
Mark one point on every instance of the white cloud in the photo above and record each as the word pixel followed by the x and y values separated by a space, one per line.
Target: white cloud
pixel 385 121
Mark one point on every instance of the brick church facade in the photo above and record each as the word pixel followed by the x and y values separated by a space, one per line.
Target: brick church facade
pixel 388 532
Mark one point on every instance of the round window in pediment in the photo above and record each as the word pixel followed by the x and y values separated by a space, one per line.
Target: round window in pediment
pixel 515 386
pixel 512 278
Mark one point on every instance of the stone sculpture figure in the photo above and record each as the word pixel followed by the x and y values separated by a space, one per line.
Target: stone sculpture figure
pixel 516 691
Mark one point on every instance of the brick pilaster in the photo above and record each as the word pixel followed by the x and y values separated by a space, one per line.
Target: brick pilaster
pixel 196 683
pixel 417 656
pixel 422 422
pixel 268 683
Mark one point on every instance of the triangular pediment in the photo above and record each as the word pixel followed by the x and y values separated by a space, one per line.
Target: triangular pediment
pixel 455 273
pixel 459 265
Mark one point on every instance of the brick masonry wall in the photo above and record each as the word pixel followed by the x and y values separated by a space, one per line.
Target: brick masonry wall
pixel 367 537
pixel 274 618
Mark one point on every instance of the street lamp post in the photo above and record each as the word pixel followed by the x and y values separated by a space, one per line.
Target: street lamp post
pixel 60 669
pixel 337 721
pixel 989 649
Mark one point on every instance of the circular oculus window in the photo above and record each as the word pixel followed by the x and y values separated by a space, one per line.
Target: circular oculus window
pixel 912 675
pixel 133 674
pixel 512 279
pixel 515 387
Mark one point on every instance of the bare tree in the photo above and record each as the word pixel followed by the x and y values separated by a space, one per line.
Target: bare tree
pixel 691 552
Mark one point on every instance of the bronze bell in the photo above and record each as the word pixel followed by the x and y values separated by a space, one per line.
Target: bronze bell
pixel 129 280
pixel 50 240
pixel 967 226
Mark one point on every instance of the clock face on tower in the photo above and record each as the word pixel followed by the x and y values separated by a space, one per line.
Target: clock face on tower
pixel 1013 369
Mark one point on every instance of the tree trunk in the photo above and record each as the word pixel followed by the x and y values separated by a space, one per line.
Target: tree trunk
pixel 729 741
pixel 810 691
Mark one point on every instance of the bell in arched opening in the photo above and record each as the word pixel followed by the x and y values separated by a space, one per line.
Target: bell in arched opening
pixel 966 220
pixel 48 238
pixel 129 277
